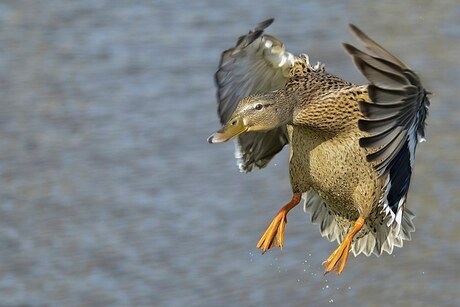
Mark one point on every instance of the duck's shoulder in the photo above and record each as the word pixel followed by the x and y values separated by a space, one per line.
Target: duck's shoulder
pixel 353 93
pixel 302 67
pixel 316 81
pixel 326 101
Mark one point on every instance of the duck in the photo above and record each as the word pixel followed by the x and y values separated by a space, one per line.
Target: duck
pixel 352 147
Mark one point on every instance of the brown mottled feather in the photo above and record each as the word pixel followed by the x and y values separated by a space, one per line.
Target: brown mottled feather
pixel 343 137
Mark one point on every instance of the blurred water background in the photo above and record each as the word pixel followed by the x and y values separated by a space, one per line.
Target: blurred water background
pixel 110 195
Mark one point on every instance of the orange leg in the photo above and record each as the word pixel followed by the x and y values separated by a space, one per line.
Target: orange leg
pixel 276 228
pixel 338 258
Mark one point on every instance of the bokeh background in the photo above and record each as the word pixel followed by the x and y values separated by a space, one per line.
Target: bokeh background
pixel 110 195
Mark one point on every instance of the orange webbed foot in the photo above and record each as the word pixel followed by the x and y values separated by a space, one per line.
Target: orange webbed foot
pixel 338 259
pixel 274 235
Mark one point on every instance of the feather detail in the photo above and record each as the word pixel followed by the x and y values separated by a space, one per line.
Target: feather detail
pixel 257 64
pixel 377 235
pixel 394 120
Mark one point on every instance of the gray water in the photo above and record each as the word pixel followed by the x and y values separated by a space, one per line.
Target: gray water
pixel 110 195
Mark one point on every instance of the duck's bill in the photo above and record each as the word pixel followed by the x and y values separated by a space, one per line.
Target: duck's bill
pixel 232 128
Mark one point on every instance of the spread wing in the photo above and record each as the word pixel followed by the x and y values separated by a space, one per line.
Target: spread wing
pixel 394 119
pixel 257 64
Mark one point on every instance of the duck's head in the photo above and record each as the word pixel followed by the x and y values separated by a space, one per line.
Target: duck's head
pixel 255 113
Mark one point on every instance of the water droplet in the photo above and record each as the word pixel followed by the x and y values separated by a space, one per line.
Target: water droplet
pixel 349 288
pixel 331 301
pixel 327 286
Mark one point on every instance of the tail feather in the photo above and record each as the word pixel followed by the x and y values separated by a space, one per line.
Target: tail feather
pixel 367 241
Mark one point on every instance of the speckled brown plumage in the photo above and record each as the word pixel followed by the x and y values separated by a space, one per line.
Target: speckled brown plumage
pixel 324 143
pixel 351 147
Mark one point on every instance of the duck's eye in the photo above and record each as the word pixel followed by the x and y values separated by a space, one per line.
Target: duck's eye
pixel 259 106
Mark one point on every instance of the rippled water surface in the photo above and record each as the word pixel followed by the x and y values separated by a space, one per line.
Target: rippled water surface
pixel 110 195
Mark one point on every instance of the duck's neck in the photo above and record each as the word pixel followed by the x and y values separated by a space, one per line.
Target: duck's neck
pixel 285 105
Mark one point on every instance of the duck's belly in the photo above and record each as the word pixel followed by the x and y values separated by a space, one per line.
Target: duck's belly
pixel 336 168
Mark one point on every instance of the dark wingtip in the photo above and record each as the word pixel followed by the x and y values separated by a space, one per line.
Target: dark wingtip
pixel 349 48
pixel 355 30
pixel 352 27
pixel 209 139
pixel 264 24
pixel 254 35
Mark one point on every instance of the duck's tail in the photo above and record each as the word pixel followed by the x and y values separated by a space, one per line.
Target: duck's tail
pixel 375 237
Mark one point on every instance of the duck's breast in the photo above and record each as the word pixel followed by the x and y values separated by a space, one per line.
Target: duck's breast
pixel 336 167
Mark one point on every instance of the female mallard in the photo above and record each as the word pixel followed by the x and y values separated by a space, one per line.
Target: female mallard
pixel 352 147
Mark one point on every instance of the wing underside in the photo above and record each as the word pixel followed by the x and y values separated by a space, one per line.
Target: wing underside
pixel 257 64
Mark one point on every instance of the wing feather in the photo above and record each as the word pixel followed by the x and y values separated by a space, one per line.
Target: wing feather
pixel 257 64
pixel 399 103
pixel 394 118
